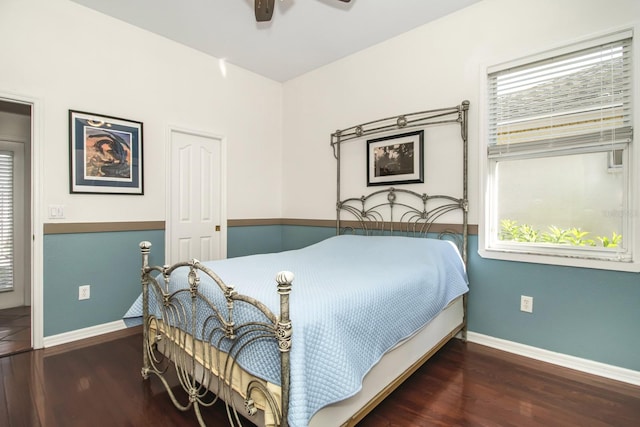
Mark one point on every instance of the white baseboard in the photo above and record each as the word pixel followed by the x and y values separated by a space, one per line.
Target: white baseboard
pixel 572 362
pixel 81 334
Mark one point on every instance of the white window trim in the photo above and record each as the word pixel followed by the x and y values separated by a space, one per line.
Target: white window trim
pixel 634 154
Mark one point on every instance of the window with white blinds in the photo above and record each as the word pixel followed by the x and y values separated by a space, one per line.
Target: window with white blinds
pixel 559 161
pixel 6 220
pixel 575 99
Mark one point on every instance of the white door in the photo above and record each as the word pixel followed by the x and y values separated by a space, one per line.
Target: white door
pixel 197 225
pixel 12 279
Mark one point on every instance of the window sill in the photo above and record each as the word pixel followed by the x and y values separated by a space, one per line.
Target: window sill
pixel 567 261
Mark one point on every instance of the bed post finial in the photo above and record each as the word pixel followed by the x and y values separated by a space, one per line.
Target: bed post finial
pixel 145 248
pixel 284 280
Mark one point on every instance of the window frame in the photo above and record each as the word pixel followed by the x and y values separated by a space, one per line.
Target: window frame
pixel 565 256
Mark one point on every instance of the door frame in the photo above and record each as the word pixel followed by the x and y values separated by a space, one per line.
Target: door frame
pixel 35 226
pixel 223 186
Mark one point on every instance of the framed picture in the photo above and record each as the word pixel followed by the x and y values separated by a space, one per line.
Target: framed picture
pixel 105 154
pixel 396 159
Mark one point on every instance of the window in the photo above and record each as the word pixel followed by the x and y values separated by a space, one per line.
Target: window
pixel 6 221
pixel 558 160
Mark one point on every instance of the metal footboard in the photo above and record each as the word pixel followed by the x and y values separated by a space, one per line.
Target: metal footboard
pixel 199 338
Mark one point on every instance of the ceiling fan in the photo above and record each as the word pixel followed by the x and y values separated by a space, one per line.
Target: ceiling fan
pixel 264 9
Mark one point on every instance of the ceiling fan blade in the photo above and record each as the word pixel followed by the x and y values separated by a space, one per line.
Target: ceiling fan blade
pixel 263 9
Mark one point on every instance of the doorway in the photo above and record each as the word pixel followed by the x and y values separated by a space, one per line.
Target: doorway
pixel 196 226
pixel 15 223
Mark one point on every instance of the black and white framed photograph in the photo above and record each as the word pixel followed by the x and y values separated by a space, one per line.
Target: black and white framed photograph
pixel 105 154
pixel 396 159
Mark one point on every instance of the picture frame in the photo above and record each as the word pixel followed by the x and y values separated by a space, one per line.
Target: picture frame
pixel 396 159
pixel 105 154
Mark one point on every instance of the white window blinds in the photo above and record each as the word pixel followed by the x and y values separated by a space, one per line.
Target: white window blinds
pixel 6 220
pixel 571 100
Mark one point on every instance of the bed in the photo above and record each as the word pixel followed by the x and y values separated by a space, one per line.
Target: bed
pixel 315 336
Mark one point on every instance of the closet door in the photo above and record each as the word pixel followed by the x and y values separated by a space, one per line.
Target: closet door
pixel 197 225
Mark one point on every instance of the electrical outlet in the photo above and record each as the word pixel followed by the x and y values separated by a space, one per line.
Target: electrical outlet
pixel 84 292
pixel 526 304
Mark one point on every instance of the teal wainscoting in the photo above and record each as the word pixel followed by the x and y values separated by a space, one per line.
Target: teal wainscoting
pixel 587 313
pixel 108 261
pixel 253 239
pixel 257 239
pixel 297 236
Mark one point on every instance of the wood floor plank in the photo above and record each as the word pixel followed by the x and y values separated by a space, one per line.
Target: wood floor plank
pixel 465 384
pixel 471 385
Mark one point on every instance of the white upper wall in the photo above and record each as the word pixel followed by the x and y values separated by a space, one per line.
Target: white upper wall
pixel 437 65
pixel 70 57
pixel 67 57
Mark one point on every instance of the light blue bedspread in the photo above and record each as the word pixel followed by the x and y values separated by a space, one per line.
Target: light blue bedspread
pixel 353 299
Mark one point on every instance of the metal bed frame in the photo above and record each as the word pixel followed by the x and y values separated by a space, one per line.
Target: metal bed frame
pixel 172 339
pixel 412 220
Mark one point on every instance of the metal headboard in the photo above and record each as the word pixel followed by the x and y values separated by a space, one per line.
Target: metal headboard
pixel 401 211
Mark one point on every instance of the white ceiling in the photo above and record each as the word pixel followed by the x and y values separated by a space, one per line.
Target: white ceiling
pixel 303 34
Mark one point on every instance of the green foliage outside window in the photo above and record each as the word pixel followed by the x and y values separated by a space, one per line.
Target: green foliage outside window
pixel 511 230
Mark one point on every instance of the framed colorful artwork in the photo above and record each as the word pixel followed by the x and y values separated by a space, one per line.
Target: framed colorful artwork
pixel 105 154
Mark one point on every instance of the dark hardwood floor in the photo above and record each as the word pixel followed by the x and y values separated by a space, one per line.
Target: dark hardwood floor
pixel 15 330
pixel 96 383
